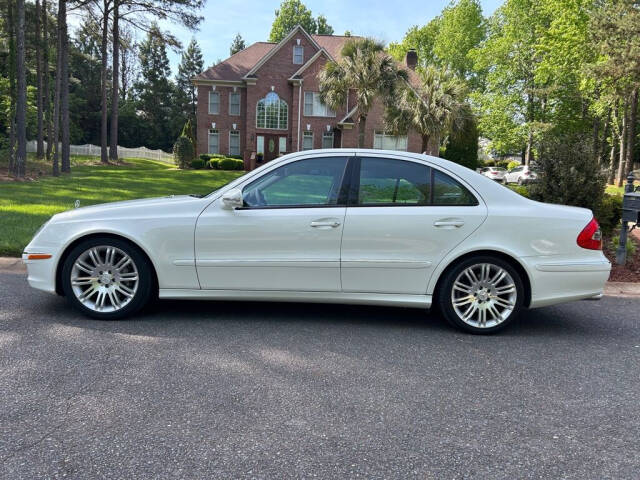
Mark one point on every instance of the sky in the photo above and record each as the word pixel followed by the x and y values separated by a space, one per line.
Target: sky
pixel 386 20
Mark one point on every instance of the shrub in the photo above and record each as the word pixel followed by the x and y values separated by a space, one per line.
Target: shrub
pixel 182 152
pixel 197 164
pixel 462 146
pixel 237 157
pixel 230 164
pixel 205 157
pixel 213 163
pixel 570 174
pixel 609 213
pixel 512 164
pixel 521 189
pixel 503 163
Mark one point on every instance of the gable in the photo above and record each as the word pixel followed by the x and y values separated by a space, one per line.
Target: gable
pixel 280 58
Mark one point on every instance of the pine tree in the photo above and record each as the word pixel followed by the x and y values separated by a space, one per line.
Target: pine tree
pixel 191 64
pixel 156 93
pixel 237 44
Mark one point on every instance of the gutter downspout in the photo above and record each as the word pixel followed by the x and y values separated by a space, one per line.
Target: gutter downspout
pixel 299 112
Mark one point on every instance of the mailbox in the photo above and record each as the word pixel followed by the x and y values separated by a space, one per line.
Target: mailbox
pixel 630 214
pixel 631 207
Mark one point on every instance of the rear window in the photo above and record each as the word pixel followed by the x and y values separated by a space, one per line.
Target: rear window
pixel 394 182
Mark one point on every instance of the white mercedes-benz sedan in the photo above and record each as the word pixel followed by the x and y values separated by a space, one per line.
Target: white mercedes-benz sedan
pixel 340 226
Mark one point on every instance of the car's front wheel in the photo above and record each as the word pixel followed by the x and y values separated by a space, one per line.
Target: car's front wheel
pixel 107 278
pixel 481 294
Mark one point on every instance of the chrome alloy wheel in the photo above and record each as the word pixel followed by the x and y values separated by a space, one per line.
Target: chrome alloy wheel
pixel 104 278
pixel 484 295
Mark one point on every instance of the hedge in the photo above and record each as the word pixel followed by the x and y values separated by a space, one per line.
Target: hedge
pixel 197 164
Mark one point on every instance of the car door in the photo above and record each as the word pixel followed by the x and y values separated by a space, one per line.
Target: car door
pixel 285 237
pixel 403 216
pixel 513 174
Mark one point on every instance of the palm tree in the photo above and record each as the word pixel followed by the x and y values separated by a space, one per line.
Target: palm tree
pixel 367 70
pixel 433 109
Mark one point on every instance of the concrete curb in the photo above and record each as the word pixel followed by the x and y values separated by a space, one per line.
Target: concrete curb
pixel 613 289
pixel 12 265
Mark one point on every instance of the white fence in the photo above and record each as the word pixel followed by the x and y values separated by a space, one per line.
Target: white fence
pixel 123 152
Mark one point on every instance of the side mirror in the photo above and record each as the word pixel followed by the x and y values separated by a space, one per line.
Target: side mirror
pixel 232 199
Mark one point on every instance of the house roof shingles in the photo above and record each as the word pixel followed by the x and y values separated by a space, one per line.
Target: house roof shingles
pixel 238 65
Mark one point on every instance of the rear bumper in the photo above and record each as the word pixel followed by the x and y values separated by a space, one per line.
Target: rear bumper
pixel 556 281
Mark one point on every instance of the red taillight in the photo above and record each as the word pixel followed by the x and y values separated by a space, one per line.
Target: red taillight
pixel 590 237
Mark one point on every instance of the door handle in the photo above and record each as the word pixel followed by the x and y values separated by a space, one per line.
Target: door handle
pixel 448 223
pixel 325 223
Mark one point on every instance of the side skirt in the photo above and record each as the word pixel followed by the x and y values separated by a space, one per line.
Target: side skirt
pixel 418 301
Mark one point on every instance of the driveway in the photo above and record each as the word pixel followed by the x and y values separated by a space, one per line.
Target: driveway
pixel 253 390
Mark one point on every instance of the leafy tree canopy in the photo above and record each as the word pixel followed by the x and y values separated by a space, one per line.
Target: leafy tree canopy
pixel 292 13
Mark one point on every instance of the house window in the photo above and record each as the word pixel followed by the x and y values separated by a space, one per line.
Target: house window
pixel 214 103
pixel 307 141
pixel 282 145
pixel 327 140
pixel 298 54
pixel 234 142
pixel 234 103
pixel 214 145
pixel 384 141
pixel 259 144
pixel 272 112
pixel 313 106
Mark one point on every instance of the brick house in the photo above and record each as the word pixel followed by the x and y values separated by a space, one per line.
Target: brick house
pixel 264 100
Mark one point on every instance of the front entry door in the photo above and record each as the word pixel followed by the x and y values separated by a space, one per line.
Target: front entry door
pixel 286 237
pixel 271 145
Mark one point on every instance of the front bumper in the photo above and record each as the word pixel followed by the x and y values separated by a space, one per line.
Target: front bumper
pixel 41 274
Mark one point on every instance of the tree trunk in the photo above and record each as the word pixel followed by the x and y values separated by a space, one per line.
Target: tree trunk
pixel 103 53
pixel 596 139
pixel 21 100
pixel 12 87
pixel 55 137
pixel 612 162
pixel 46 93
pixel 115 94
pixel 527 152
pixel 631 132
pixel 39 99
pixel 603 142
pixel 433 148
pixel 623 144
pixel 425 144
pixel 362 124
pixel 64 88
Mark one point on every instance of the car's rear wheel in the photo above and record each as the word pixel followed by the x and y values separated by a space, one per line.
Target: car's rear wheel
pixel 107 278
pixel 481 294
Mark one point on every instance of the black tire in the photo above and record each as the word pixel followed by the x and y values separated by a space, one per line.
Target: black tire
pixel 444 294
pixel 144 290
pixel 520 181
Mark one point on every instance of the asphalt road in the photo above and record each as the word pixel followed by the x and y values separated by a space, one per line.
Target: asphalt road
pixel 253 390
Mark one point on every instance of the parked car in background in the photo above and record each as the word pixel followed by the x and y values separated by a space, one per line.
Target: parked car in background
pixel 494 173
pixel 339 226
pixel 521 174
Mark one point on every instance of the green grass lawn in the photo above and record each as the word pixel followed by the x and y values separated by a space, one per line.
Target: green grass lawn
pixel 614 190
pixel 24 206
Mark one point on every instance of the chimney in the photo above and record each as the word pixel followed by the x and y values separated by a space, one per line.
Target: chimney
pixel 411 58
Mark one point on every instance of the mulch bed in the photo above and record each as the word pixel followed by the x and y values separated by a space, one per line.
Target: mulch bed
pixel 630 271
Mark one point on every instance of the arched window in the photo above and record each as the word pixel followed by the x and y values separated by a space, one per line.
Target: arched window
pixel 272 112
